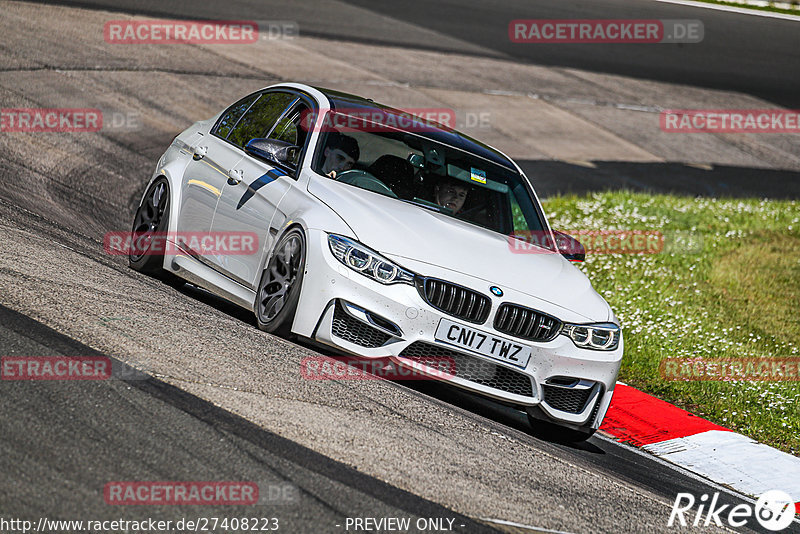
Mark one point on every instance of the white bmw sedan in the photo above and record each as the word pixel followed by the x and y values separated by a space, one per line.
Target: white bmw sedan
pixel 384 236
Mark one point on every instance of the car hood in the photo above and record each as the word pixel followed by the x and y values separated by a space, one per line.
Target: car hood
pixel 403 231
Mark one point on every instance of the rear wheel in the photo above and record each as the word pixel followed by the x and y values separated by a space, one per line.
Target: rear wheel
pixel 150 225
pixel 279 289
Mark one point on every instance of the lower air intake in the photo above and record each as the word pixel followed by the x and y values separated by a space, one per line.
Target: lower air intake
pixel 348 328
pixel 473 369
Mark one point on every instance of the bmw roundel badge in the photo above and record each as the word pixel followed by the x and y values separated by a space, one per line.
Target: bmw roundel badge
pixel 496 291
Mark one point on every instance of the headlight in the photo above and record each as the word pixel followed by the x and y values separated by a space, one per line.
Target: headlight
pixel 368 262
pixel 601 336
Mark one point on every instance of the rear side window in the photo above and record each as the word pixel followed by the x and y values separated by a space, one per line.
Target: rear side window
pixel 260 118
pixel 232 115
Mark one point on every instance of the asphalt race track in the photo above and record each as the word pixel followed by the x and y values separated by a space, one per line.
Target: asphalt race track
pixel 202 393
pixel 111 431
pixel 737 58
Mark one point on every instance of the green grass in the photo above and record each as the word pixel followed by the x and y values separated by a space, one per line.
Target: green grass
pixel 772 9
pixel 734 292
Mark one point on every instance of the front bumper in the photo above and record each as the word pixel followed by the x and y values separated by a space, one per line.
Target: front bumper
pixel 346 310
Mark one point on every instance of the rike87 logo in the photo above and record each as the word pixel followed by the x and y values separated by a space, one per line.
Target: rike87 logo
pixel 774 511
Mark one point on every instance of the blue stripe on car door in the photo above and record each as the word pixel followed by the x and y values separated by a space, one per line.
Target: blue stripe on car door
pixel 258 183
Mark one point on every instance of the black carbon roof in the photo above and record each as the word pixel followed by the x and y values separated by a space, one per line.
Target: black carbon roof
pixel 438 133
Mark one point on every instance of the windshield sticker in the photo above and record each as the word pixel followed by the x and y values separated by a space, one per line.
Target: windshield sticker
pixel 477 175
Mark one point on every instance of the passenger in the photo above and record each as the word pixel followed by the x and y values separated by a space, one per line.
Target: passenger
pixel 341 153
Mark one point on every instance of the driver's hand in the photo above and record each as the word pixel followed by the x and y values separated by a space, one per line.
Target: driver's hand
pixel 331 174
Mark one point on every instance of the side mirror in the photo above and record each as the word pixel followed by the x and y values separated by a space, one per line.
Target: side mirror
pixel 273 151
pixel 569 247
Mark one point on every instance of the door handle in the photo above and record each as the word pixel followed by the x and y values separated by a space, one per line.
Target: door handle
pixel 199 152
pixel 235 176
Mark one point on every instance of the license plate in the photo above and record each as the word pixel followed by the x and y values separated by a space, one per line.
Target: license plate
pixel 484 343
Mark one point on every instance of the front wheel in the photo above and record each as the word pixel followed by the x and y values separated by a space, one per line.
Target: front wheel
pixel 279 289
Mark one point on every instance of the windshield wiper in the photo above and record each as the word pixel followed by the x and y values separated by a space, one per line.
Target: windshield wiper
pixel 427 205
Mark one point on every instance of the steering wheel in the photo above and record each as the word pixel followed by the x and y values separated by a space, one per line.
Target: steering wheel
pixel 365 180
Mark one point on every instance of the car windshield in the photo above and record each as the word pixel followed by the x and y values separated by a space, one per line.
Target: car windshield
pixel 415 169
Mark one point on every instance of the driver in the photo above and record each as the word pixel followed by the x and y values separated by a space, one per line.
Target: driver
pixel 451 194
pixel 341 154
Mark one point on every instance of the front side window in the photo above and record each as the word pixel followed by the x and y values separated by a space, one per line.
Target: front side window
pixel 260 118
pixel 292 128
pixel 417 170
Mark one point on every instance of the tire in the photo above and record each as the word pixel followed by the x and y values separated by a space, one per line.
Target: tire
pixel 559 434
pixel 279 289
pixel 151 219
